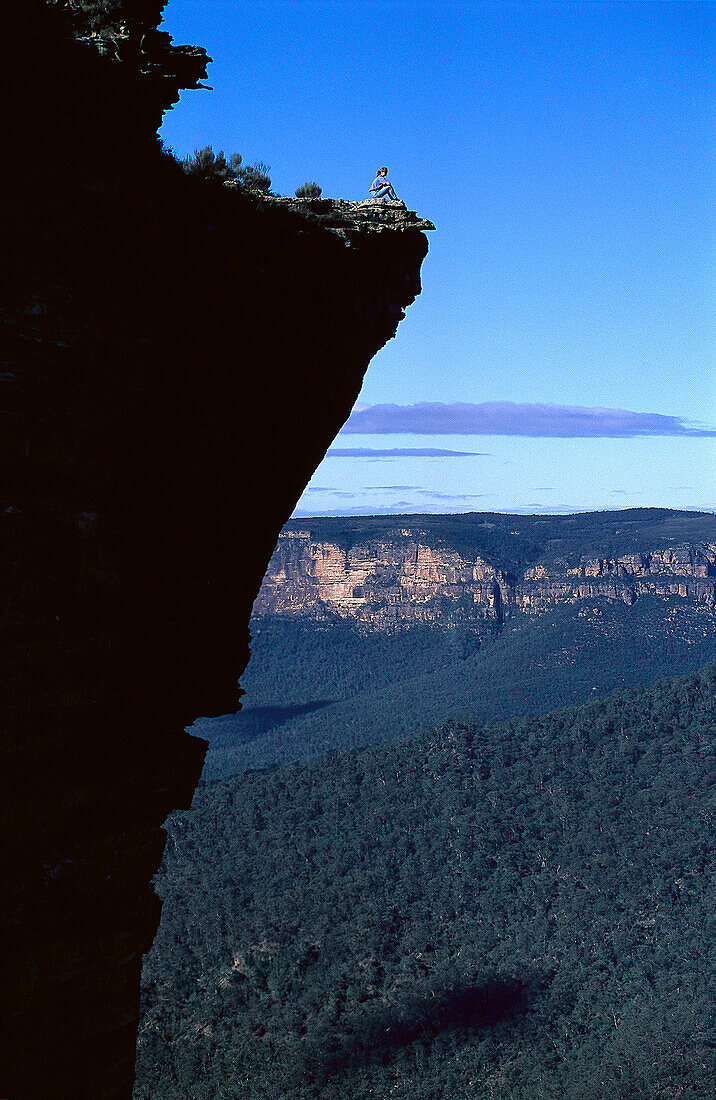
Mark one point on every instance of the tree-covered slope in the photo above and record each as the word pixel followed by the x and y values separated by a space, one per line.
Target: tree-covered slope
pixel 312 688
pixel 512 911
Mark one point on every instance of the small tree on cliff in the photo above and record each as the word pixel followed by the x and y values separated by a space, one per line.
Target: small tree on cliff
pixel 210 166
pixel 309 191
pixel 207 165
pixel 255 177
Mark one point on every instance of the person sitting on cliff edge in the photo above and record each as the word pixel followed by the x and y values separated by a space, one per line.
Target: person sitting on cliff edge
pixel 381 187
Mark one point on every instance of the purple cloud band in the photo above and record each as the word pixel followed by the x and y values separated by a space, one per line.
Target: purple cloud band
pixel 508 418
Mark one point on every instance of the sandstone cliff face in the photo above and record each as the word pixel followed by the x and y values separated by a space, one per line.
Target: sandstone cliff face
pixel 177 360
pixel 387 583
pixel 687 561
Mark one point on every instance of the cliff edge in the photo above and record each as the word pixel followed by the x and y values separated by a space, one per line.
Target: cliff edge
pixel 176 360
pixel 405 576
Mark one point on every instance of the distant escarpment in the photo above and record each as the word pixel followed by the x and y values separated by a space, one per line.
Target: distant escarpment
pixel 408 574
pixel 176 361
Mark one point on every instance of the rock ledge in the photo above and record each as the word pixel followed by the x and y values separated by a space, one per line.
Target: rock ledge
pixel 342 217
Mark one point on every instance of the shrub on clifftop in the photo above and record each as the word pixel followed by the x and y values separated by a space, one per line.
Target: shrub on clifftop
pixel 208 165
pixel 255 177
pixel 309 191
pixel 204 163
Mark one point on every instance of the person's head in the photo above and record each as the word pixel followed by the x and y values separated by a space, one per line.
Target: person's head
pixel 382 172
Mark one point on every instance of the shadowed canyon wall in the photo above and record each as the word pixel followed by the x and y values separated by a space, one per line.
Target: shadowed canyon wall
pixel 176 360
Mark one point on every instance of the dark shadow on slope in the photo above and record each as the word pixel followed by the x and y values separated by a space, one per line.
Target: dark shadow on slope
pixel 561 659
pixel 252 722
pixel 270 717
pixel 382 1034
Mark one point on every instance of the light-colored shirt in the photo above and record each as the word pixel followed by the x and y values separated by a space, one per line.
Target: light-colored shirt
pixel 378 182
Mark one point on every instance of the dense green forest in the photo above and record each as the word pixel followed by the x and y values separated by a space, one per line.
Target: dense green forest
pixel 311 688
pixel 516 910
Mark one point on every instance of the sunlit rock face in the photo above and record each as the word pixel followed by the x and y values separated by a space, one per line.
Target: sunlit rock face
pixel 351 220
pixel 387 583
pixel 688 561
pixel 176 361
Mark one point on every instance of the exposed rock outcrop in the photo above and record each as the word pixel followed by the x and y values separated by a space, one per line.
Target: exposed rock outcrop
pixel 350 220
pixel 176 361
pixel 391 582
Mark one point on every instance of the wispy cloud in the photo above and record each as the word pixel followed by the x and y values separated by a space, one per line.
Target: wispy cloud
pixel 391 488
pixel 508 418
pixel 357 510
pixel 382 490
pixel 396 452
pixel 434 495
pixel 394 508
pixel 384 500
pixel 346 494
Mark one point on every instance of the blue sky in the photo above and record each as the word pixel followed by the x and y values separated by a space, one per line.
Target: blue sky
pixel 565 152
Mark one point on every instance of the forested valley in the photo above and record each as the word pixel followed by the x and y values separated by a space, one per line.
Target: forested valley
pixel 512 910
pixel 319 682
pixel 457 859
pixel 312 688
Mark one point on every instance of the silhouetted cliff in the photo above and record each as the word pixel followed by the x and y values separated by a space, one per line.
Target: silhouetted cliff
pixel 176 361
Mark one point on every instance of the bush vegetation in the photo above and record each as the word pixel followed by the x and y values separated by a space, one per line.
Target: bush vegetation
pixel 208 165
pixel 516 910
pixel 495 910
pixel 252 177
pixel 255 177
pixel 92 16
pixel 309 191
